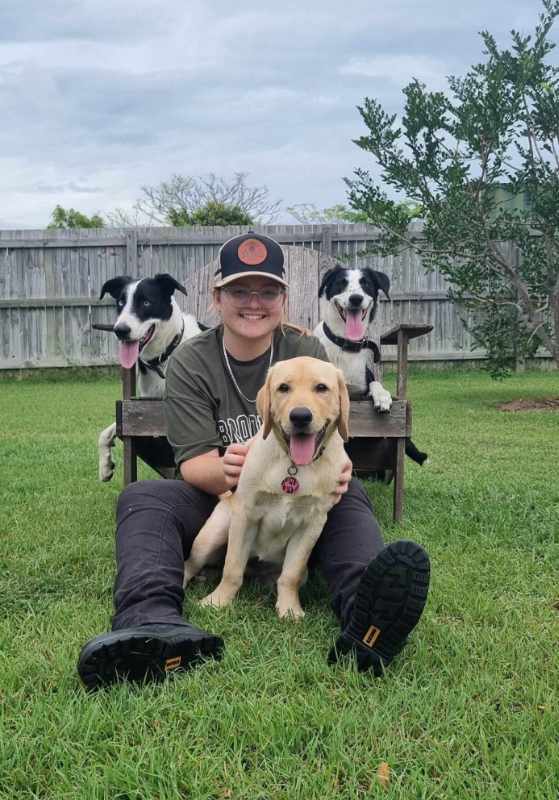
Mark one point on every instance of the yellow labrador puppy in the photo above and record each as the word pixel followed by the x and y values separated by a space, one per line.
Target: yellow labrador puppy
pixel 287 483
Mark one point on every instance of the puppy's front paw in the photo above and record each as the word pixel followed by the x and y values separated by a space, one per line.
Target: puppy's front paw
pixel 382 400
pixel 289 608
pixel 294 613
pixel 217 598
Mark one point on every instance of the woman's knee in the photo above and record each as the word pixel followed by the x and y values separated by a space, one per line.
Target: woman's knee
pixel 352 531
pixel 163 495
pixel 136 494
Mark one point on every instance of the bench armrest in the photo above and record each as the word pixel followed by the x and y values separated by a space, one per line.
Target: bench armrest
pixel 400 336
pixel 412 331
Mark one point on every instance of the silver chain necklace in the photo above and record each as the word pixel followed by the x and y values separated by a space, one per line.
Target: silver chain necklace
pixel 230 371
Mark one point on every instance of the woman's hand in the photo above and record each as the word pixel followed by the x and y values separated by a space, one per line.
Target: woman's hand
pixel 233 460
pixel 343 481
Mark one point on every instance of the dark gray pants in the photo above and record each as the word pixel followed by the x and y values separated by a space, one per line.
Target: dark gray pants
pixel 158 520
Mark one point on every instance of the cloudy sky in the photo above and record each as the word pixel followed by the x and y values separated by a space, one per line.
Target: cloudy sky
pixel 101 97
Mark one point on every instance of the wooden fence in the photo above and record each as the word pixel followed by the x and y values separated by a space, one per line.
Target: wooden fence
pixel 50 282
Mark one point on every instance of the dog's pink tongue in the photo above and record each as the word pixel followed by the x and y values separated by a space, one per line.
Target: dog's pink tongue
pixel 301 448
pixel 354 328
pixel 128 353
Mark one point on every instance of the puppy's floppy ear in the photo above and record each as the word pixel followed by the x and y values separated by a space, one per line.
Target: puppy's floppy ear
pixel 168 283
pixel 264 406
pixel 115 286
pixel 343 419
pixel 326 278
pixel 382 281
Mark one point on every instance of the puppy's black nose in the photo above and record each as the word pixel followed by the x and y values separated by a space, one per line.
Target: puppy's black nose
pixel 300 416
pixel 355 300
pixel 122 332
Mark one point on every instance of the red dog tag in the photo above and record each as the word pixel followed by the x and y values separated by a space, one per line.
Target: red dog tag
pixel 290 485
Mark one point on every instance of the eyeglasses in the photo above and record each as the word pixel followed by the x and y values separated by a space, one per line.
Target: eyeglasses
pixel 241 296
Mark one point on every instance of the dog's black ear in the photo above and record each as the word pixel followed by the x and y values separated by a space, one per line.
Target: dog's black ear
pixel 168 283
pixel 115 286
pixel 327 277
pixel 381 280
pixel 324 282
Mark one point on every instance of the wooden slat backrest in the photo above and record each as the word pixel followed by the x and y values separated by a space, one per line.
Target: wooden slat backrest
pixel 146 418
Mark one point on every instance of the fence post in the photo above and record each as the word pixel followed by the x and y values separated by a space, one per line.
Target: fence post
pixel 132 253
pixel 326 241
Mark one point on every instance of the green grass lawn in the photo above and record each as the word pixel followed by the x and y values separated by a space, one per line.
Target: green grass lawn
pixel 470 710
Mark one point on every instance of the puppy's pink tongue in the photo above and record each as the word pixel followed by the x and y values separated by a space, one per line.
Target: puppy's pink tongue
pixel 301 448
pixel 354 328
pixel 128 353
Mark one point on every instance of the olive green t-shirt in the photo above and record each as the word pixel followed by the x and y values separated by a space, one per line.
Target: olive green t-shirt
pixel 203 409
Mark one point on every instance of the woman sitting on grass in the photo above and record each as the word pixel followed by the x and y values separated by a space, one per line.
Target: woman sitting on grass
pixel 378 593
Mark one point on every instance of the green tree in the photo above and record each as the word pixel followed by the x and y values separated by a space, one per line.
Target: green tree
pixel 212 213
pixel 70 218
pixel 453 154
pixel 309 214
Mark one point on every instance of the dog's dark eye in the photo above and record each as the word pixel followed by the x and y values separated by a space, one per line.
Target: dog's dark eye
pixel 120 304
pixel 321 387
pixel 283 387
pixel 146 303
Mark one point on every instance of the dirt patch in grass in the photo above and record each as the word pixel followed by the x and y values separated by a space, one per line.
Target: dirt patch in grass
pixel 545 404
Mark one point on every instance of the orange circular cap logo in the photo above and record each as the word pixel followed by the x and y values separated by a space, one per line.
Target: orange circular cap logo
pixel 252 252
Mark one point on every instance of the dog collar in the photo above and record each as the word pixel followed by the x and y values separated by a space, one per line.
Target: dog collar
pixel 352 347
pixel 155 363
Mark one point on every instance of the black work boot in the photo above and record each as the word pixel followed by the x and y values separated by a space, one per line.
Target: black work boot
pixel 388 605
pixel 145 652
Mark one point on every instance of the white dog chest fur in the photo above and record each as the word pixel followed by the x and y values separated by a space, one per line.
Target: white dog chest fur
pixel 352 365
pixel 277 517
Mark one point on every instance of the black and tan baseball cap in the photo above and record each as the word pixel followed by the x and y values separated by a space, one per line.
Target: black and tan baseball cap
pixel 250 254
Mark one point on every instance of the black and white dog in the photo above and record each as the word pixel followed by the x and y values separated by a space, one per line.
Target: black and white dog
pixel 149 326
pixel 348 300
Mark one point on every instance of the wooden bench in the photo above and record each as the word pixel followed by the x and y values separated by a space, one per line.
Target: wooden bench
pixel 377 440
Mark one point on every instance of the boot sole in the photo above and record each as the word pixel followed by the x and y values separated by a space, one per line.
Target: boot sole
pixel 138 657
pixel 387 607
